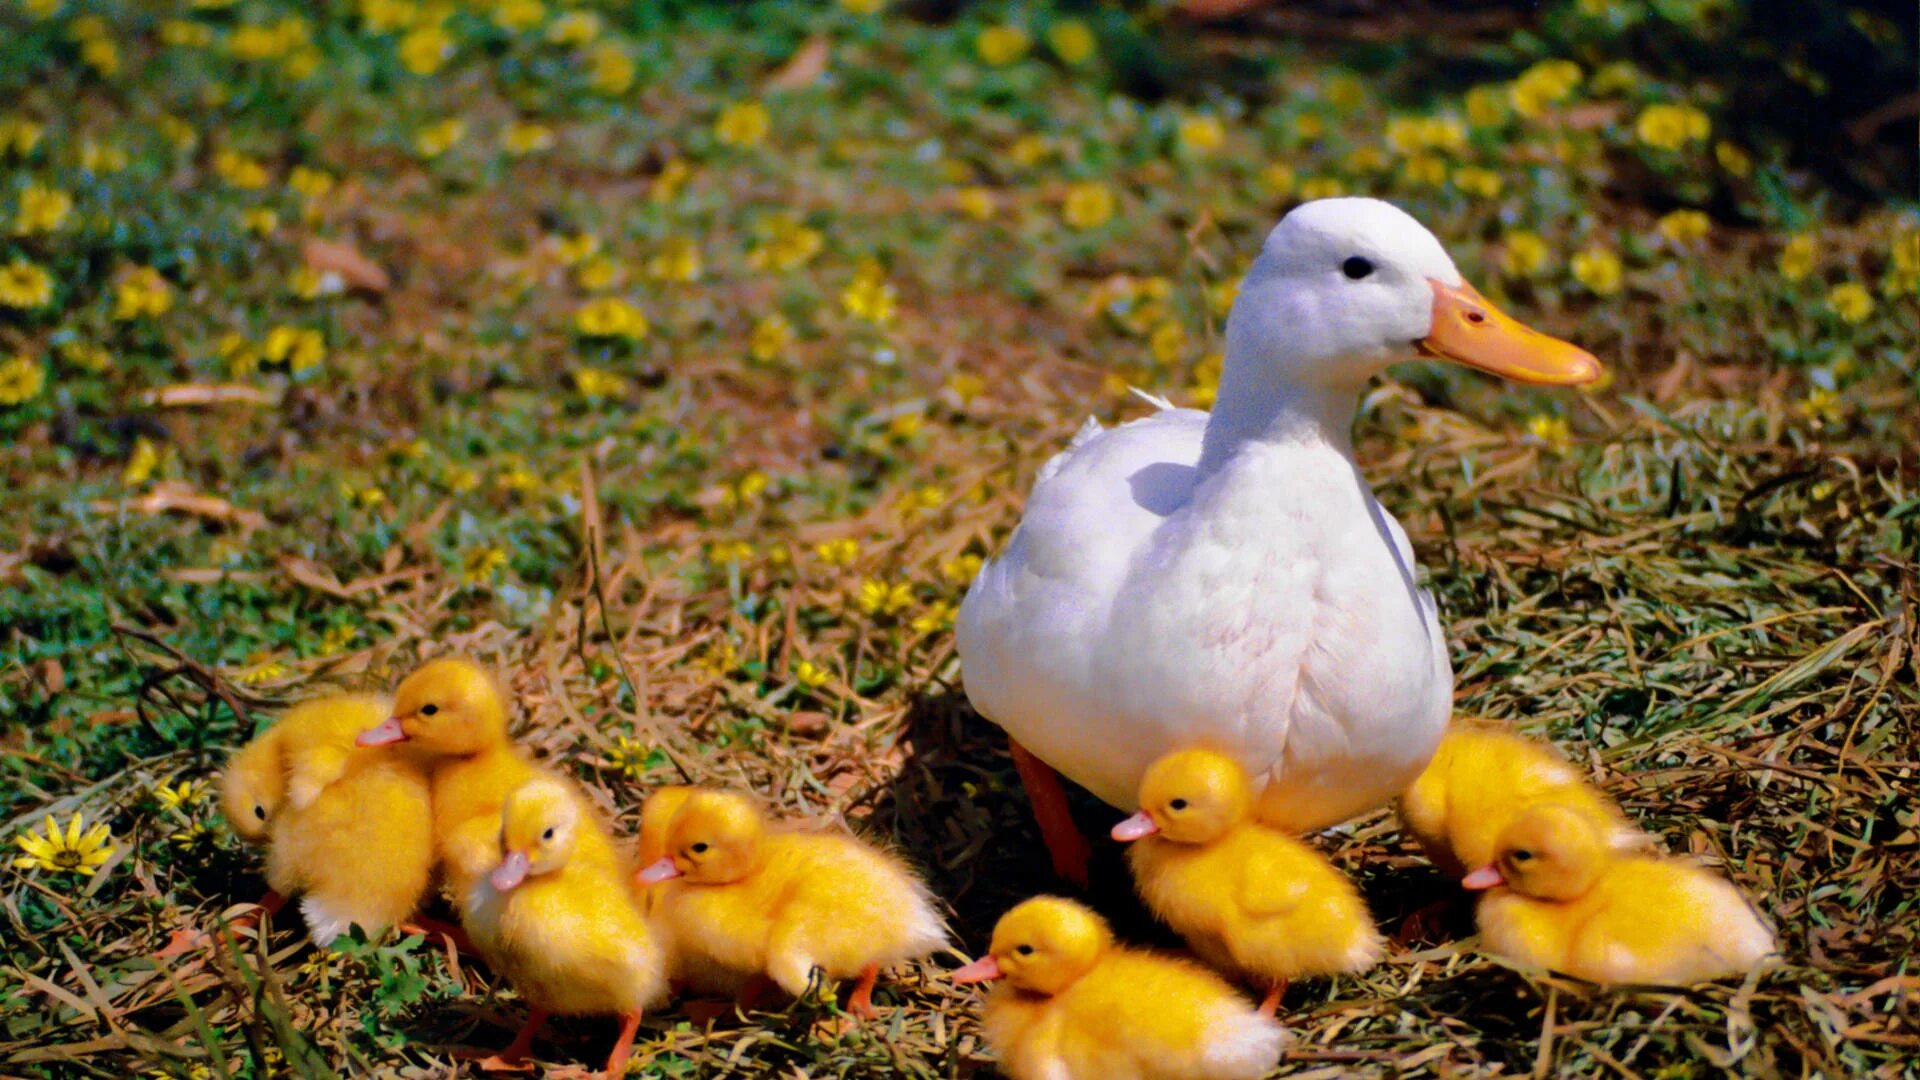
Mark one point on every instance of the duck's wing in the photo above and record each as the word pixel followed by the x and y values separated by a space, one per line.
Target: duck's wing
pixel 1023 628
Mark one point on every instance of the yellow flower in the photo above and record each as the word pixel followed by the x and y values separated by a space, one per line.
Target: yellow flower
pixel 239 170
pixel 841 552
pixel 677 260
pixel 627 757
pixel 1167 341
pixel 1798 257
pixel 42 209
pixel 85 356
pixel 862 7
pixel 18 136
pixel 811 675
pixel 1670 127
pixel 937 617
pixel 1553 432
pixel 789 245
pixel 438 137
pixel 1001 45
pixel 771 336
pixel 42 9
pixel 262 673
pixel 101 157
pixel 1525 254
pixel 1279 179
pixel 1478 182
pixel 310 182
pixel 593 382
pixel 1029 150
pixel 141 465
pixel 1202 135
pixel 481 564
pixel 868 296
pixel 1544 84
pixel 961 569
pixel 965 386
pixel 21 380
pixel 242 358
pixel 24 285
pixel 260 221
pixel 743 123
pixel 74 851
pixel 1822 406
pixel 179 796
pixel 1599 270
pixel 1426 170
pixel 574 28
pixel 924 499
pixel 673 176
pixel 1684 227
pixel 572 249
pixel 1089 205
pixel 975 202
pixel 1072 41
pixel 879 598
pixel 599 273
pixel 1736 161
pixel 610 317
pixel 336 639
pixel 300 348
pixel 178 132
pixel 1851 301
pixel 141 294
pixel 426 49
pixel 747 489
pixel 102 55
pixel 516 15
pixel 524 137
pixel 1486 106
pixel 734 552
pixel 610 69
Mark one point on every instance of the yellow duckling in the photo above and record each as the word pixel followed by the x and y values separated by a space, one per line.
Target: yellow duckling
pixel 349 828
pixel 1480 780
pixel 1562 899
pixel 564 930
pixel 1076 1006
pixel 782 903
pixel 1247 897
pixel 450 714
pixel 656 817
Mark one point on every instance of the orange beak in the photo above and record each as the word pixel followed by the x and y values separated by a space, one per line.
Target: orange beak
pixel 985 969
pixel 388 732
pixel 1469 330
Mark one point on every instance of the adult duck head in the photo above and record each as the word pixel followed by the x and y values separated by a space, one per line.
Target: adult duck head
pixel 1342 289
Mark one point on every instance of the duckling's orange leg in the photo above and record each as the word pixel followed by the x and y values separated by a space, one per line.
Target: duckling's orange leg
pixel 1069 849
pixel 187 939
pixel 623 1046
pixel 515 1055
pixel 860 1002
pixel 428 926
pixel 1271 1003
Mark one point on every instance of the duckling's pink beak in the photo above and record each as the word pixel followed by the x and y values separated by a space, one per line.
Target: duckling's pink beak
pixel 389 732
pixel 656 872
pixel 1138 827
pixel 511 871
pixel 1487 877
pixel 985 969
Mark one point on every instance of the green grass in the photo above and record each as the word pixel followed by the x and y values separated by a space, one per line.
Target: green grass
pixel 1700 581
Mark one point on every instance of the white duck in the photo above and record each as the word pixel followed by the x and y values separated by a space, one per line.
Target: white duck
pixel 1229 578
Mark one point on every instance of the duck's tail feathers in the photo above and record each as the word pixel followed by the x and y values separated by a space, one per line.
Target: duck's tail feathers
pixel 1154 400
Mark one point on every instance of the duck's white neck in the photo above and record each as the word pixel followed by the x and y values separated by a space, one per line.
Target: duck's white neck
pixel 1258 405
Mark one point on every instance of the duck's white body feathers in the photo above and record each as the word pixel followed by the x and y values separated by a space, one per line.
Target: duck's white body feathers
pixel 1268 607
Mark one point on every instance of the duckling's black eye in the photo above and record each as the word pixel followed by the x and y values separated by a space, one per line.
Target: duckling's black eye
pixel 259 811
pixel 700 848
pixel 1356 267
pixel 1023 950
pixel 548 835
pixel 1177 804
pixel 429 710
pixel 1522 855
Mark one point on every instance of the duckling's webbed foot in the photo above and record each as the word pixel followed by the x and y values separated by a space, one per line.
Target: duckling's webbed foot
pixel 860 1002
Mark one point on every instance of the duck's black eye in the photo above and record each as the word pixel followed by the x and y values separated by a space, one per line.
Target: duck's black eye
pixel 700 848
pixel 1522 855
pixel 1356 267
pixel 429 710
pixel 1023 950
pixel 259 811
pixel 548 835
pixel 1177 804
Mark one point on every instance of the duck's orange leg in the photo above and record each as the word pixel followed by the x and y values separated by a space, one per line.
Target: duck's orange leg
pixel 427 926
pixel 1069 849
pixel 860 1002
pixel 1271 1003
pixel 623 1046
pixel 515 1055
